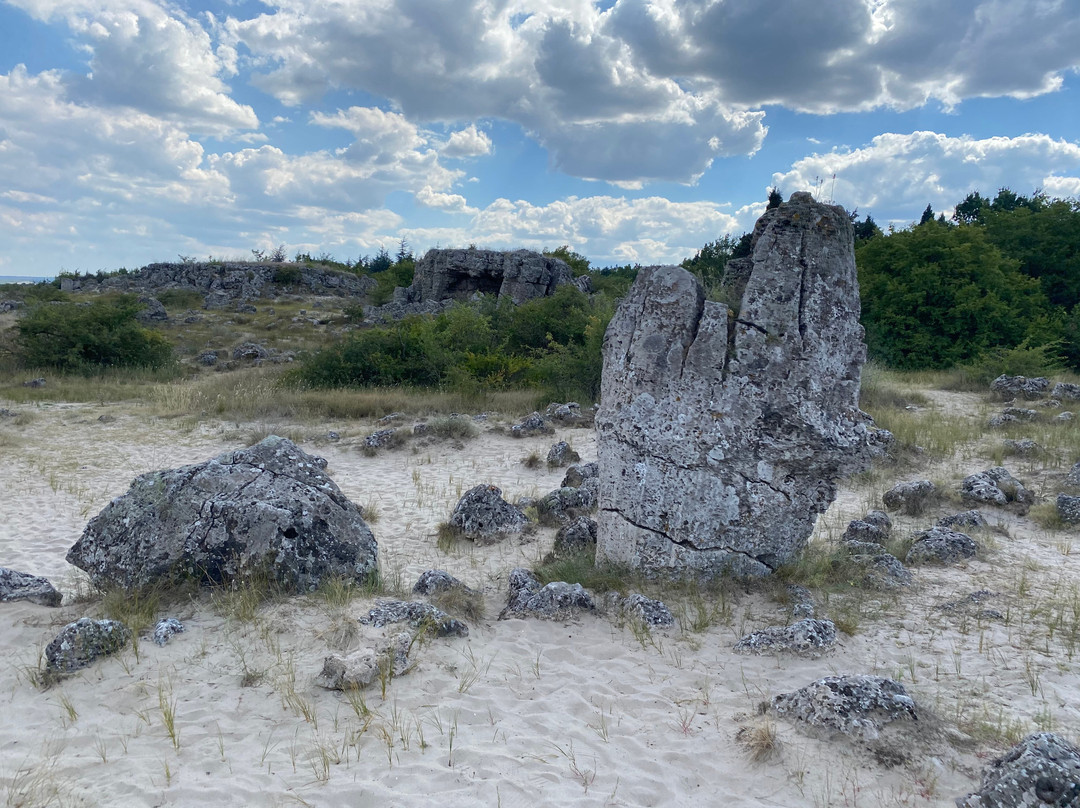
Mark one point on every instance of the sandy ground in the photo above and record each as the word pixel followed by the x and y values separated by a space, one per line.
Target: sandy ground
pixel 522 712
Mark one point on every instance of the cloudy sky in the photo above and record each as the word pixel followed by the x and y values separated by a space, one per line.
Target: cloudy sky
pixel 634 131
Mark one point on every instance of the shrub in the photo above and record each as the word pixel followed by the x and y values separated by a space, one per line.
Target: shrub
pixel 181 298
pixel 88 337
pixel 288 275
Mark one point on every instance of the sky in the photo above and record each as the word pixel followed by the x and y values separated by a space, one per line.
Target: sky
pixel 632 131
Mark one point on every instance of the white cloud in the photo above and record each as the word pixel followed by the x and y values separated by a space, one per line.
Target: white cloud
pixel 467 142
pixel 451 203
pixel 896 175
pixel 157 61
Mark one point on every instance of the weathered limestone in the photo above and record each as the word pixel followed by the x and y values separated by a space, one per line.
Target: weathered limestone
pixel 519 275
pixel 78 644
pixel 1041 770
pixel 856 706
pixel 722 434
pixel 269 510
pixel 15 585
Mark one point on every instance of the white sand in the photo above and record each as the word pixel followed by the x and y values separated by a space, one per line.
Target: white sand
pixel 523 712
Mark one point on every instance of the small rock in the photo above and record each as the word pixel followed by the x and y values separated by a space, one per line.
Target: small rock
pixel 802 600
pixel 351 672
pixel 648 611
pixel 942 546
pixel 1068 509
pixel 16 585
pixel 333 436
pixel 558 599
pixel 1064 417
pixel 1041 770
pixel 578 474
pixel 911 497
pixel 883 570
pixel 382 438
pixel 871 528
pixel 418 615
pixel 997 487
pixel 78 644
pixel 1025 447
pixel 856 706
pixel 250 351
pixel 972 518
pixel 566 413
pixel 207 358
pixel 1006 387
pixel 166 628
pixel 484 516
pixel 575 536
pixel 533 424
pixel 39 382
pixel 564 504
pixel 561 454
pixel 809 637
pixel 433 582
pixel 1063 390
pixel 393 417
pixel 1072 479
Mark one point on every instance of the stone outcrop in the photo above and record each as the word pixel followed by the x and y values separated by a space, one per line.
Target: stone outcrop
pixel 1008 387
pixel 419 615
pixel 940 545
pixel 558 599
pixel 443 276
pixel 997 486
pixel 722 433
pixel 1068 509
pixel 269 509
pixel 911 497
pixel 227 283
pixel 15 585
pixel 1043 770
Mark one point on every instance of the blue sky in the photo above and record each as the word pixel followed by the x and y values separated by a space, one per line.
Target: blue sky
pixel 633 131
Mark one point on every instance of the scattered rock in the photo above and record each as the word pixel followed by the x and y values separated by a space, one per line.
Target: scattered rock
pixel 1007 387
pixel 533 424
pixel 568 413
pixel 351 672
pixel 78 644
pixel 564 504
pixel 1065 391
pixel 166 628
pixel 1041 770
pixel 1064 417
pixel 802 601
pixel 16 585
pixel 6 413
pixel 382 439
pixel 721 435
pixel 207 358
pixel 809 637
pixel 484 516
pixel 856 706
pixel 579 473
pixel 152 310
pixel 577 535
pixel 391 418
pixel 561 454
pixel 875 528
pixel 434 582
pixel 997 487
pixel 911 497
pixel 638 607
pixel 556 600
pixel 250 351
pixel 418 615
pixel 882 570
pixel 39 382
pixel 267 508
pixel 973 518
pixel 1025 447
pixel 973 605
pixel 1068 509
pixel 1012 415
pixel 939 545
pixel 1072 479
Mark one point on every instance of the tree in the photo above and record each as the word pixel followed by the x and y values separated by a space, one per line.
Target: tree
pixel 404 252
pixel 381 262
pixel 969 211
pixel 776 199
pixel 934 296
pixel 865 229
pixel 927 215
pixel 577 262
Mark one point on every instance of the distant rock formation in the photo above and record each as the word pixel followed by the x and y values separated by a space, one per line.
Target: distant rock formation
pixel 227 283
pixel 722 433
pixel 443 276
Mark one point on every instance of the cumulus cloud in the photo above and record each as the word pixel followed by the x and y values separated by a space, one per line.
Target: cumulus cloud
pixel 451 203
pixel 467 142
pixel 154 60
pixel 896 175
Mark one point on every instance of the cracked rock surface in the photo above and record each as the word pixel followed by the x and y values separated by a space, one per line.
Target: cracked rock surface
pixel 268 509
pixel 722 433
pixel 1042 770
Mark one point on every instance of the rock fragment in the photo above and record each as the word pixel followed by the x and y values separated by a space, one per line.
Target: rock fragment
pixel 78 644
pixel 166 628
pixel 997 486
pixel 556 600
pixel 808 637
pixel 940 545
pixel 15 585
pixel 856 706
pixel 911 497
pixel 1042 771
pixel 484 516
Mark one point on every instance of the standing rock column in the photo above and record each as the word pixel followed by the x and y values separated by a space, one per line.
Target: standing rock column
pixel 722 432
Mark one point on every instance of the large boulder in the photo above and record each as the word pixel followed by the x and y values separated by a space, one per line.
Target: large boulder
pixel 1008 387
pixel 997 486
pixel 268 509
pixel 722 433
pixel 484 516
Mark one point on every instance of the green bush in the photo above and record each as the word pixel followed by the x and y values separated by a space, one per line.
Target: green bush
pixel 86 337
pixel 288 275
pixel 181 299
pixel 399 274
